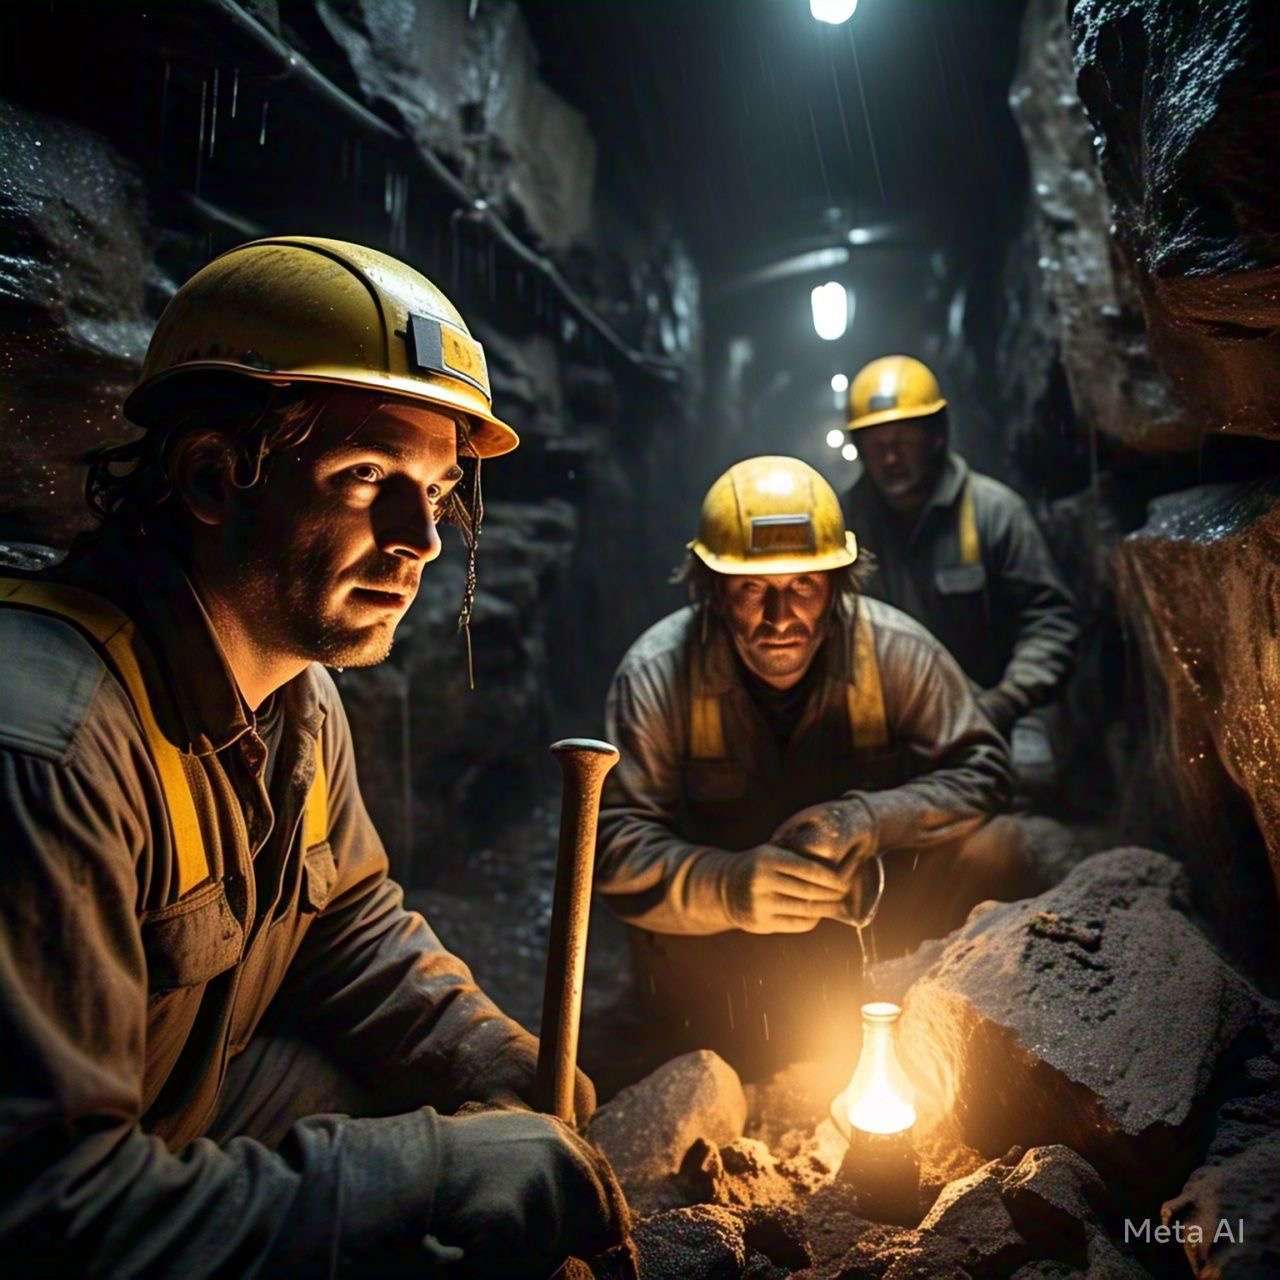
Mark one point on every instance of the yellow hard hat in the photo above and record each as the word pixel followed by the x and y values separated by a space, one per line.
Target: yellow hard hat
pixel 891 388
pixel 301 309
pixel 772 515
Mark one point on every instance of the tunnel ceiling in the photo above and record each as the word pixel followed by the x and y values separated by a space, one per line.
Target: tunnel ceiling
pixel 764 134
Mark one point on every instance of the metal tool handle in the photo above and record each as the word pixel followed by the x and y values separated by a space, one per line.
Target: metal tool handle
pixel 583 764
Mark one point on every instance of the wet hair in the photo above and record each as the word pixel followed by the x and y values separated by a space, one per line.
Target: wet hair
pixel 130 485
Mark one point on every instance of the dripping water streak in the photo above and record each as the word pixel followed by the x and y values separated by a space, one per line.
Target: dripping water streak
pixel 213 114
pixel 235 91
pixel 204 97
pixel 262 128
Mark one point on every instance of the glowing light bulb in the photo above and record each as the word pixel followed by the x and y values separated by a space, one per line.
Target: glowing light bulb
pixel 850 452
pixel 833 11
pixel 835 437
pixel 839 382
pixel 830 305
pixel 879 1098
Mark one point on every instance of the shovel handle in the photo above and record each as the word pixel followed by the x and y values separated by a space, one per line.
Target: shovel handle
pixel 583 765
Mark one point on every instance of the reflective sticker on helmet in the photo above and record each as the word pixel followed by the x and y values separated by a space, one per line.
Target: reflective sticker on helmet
pixel 770 534
pixel 882 402
pixel 438 348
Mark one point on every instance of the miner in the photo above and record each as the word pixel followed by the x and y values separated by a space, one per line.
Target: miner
pixel 227 1047
pixel 961 553
pixel 784 738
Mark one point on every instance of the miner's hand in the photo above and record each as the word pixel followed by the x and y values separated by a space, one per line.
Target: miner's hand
pixel 772 890
pixel 518 1193
pixel 840 833
pixel 508 1080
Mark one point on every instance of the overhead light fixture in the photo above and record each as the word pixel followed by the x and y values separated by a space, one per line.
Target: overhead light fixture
pixel 835 437
pixel 833 11
pixel 830 304
pixel 839 382
pixel 850 452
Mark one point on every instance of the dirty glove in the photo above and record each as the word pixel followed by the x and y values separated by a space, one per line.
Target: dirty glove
pixel 507 1078
pixel 1001 708
pixel 517 1194
pixel 841 833
pixel 772 890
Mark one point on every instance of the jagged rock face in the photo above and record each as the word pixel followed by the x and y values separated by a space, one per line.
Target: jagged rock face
pixel 73 314
pixel 1199 584
pixel 1096 1015
pixel 1183 98
pixel 467 86
pixel 1080 306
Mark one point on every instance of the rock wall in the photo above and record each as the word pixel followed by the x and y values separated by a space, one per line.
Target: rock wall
pixel 359 127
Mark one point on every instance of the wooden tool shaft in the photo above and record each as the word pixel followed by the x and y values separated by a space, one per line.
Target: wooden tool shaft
pixel 583 765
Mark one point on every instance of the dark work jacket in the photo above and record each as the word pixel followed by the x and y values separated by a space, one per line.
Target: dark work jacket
pixel 1009 621
pixel 667 819
pixel 121 1001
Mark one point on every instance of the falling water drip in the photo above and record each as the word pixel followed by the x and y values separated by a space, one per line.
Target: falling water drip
pixel 204 96
pixel 262 128
pixel 235 91
pixel 213 114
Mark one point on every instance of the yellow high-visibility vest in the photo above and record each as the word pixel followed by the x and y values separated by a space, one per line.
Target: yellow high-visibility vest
pixel 116 638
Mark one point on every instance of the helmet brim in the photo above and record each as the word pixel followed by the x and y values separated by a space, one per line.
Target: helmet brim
pixel 765 565
pixel 897 415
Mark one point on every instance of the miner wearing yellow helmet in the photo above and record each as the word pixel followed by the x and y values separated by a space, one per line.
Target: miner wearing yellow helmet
pixel 961 553
pixel 228 1049
pixel 782 739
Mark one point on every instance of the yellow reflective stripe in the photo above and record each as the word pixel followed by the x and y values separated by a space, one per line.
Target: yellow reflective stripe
pixel 706 732
pixel 970 547
pixel 315 813
pixel 115 634
pixel 868 725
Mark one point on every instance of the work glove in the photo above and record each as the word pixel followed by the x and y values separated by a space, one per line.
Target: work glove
pixel 507 1079
pixel 772 890
pixel 840 833
pixel 519 1193
pixel 1000 708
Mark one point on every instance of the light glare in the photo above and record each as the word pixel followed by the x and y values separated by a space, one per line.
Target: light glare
pixel 833 11
pixel 830 305
pixel 850 452
pixel 835 437
pixel 839 383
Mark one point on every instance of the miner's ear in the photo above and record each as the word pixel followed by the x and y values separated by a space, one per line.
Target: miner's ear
pixel 202 472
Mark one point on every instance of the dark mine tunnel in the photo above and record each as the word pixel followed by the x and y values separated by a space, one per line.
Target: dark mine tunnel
pixel 641 639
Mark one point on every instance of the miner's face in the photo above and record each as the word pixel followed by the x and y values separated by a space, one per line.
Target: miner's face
pixel 333 545
pixel 777 622
pixel 902 460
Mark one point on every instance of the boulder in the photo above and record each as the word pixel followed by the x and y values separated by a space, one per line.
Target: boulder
pixel 711 1242
pixel 648 1128
pixel 970 1228
pixel 1096 1015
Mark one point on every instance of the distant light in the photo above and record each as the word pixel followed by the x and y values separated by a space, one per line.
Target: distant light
pixel 835 437
pixel 849 453
pixel 833 11
pixel 839 382
pixel 861 235
pixel 830 305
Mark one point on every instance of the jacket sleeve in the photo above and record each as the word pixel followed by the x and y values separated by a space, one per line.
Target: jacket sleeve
pixel 959 764
pixel 645 872
pixel 85 1191
pixel 378 986
pixel 1027 589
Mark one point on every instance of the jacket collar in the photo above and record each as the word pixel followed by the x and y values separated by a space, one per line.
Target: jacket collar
pixel 145 578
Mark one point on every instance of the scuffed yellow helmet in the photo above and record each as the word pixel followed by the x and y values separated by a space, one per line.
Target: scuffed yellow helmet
pixel 772 515
pixel 302 309
pixel 892 388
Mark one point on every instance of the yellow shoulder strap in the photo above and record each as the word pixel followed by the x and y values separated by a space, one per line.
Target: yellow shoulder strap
pixel 116 636
pixel 706 732
pixel 868 725
pixel 970 547
pixel 315 812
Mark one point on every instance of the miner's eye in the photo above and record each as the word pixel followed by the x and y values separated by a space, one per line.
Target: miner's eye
pixel 365 473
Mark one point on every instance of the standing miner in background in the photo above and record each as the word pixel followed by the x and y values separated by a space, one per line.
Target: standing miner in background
pixel 960 553
pixel 777 735
pixel 202 960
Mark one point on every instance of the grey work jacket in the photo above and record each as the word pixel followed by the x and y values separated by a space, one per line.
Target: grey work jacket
pixel 1008 620
pixel 121 1002
pixel 943 771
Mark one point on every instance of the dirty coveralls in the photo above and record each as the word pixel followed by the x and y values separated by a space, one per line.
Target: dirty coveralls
pixel 931 784
pixel 130 1014
pixel 999 606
